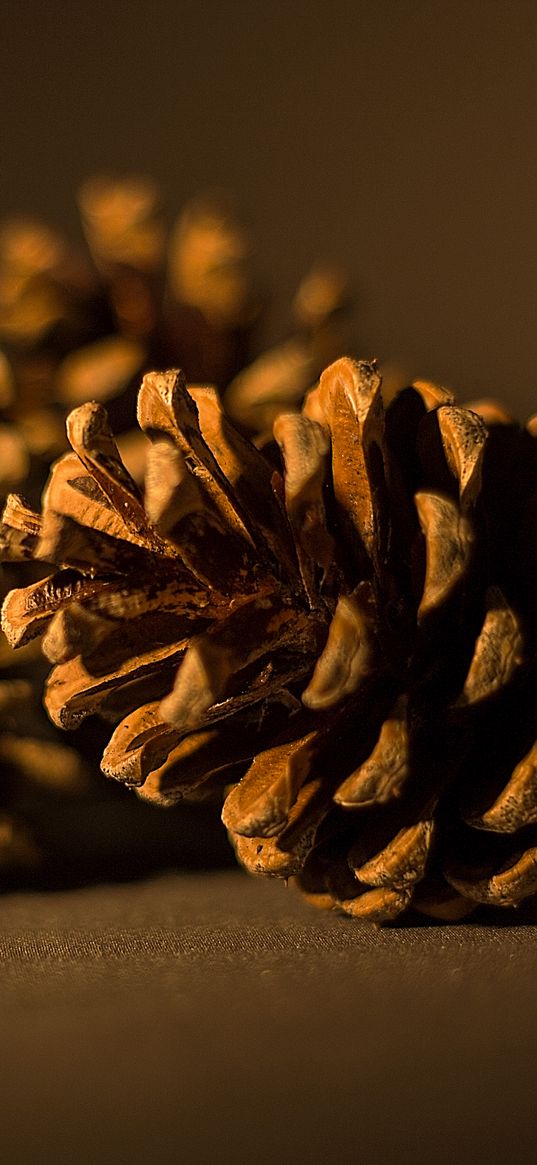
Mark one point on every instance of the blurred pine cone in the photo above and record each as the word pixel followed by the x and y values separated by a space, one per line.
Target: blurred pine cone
pixel 77 324
pixel 347 648
pixel 38 772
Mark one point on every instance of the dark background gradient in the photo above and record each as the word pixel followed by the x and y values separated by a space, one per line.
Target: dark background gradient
pixel 397 136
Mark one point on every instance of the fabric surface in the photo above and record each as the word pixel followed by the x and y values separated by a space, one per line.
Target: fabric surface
pixel 211 1017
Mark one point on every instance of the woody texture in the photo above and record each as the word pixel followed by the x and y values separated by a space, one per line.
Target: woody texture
pixel 339 642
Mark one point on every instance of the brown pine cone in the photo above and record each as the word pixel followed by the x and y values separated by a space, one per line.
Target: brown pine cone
pixel 347 648
pixel 278 380
pixel 76 325
pixel 37 770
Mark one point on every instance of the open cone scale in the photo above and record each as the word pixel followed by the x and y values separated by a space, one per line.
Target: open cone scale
pixel 345 646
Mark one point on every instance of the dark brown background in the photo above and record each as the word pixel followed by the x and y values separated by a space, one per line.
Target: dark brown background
pixel 396 135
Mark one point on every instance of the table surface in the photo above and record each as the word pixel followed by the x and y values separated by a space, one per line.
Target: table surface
pixel 200 1017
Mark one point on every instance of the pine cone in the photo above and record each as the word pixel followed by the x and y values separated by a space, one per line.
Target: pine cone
pixel 37 770
pixel 74 324
pixel 278 380
pixel 77 325
pixel 347 648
